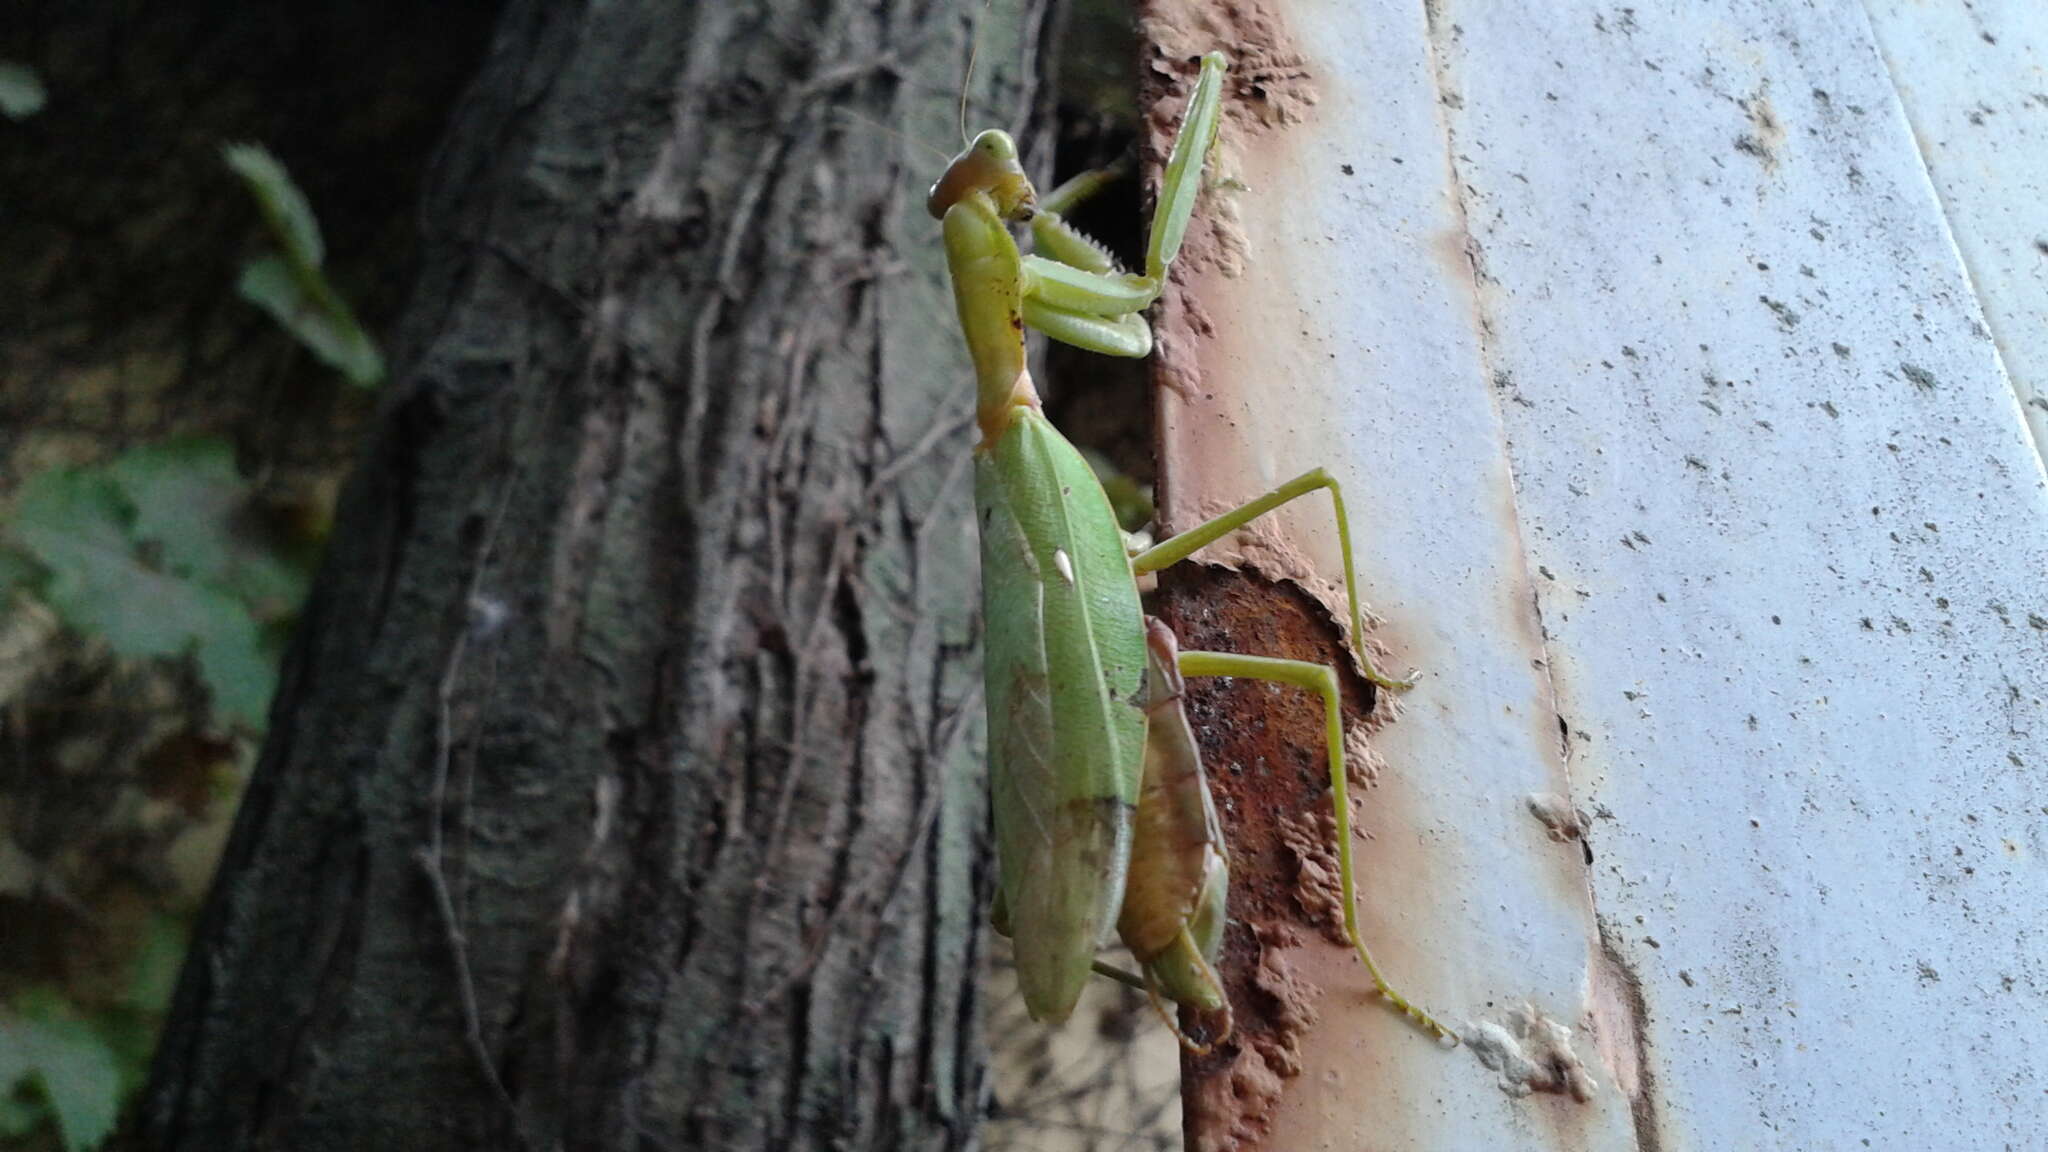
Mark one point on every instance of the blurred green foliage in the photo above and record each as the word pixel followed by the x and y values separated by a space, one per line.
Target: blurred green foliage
pixel 1130 500
pixel 60 1066
pixel 161 552
pixel 60 1069
pixel 165 553
pixel 21 91
pixel 290 285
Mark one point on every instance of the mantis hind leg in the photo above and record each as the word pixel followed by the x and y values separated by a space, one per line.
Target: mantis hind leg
pixel 1150 987
pixel 1321 679
pixel 1178 548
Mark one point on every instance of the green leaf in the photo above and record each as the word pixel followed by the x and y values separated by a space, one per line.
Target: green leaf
pixel 325 326
pixel 130 1036
pixel 291 287
pixel 157 961
pixel 190 502
pixel 21 91
pixel 1130 500
pixel 73 1069
pixel 284 206
pixel 19 572
pixel 20 1113
pixel 78 524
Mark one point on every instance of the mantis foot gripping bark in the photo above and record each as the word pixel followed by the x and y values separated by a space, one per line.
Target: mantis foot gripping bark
pixel 1102 813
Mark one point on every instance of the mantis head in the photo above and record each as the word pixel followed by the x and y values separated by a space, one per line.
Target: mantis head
pixel 988 165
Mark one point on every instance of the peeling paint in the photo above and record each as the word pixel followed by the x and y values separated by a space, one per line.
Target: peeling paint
pixel 1234 1109
pixel 1311 837
pixel 1560 820
pixel 1363 763
pixel 1230 415
pixel 1532 1053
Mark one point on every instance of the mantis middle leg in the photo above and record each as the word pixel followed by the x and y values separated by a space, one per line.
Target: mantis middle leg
pixel 1177 548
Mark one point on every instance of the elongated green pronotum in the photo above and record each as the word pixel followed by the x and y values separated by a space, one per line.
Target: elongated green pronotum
pixel 1081 747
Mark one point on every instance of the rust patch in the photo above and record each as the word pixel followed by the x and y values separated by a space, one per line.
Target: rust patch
pixel 1264 547
pixel 1235 1105
pixel 1264 748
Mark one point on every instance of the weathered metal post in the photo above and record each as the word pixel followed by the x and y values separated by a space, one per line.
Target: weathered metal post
pixel 1687 474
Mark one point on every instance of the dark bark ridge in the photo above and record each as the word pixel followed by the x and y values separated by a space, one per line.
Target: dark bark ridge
pixel 624 788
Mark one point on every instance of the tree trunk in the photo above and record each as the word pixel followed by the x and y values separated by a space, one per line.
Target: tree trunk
pixel 624 785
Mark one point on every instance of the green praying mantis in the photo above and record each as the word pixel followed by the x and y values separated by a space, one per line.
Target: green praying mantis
pixel 1102 814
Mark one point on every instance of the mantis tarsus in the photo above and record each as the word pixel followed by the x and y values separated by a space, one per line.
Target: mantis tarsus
pixel 1080 750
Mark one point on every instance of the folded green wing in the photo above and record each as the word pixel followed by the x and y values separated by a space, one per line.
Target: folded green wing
pixel 1065 664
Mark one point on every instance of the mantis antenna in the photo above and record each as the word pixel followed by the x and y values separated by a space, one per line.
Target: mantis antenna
pixel 869 122
pixel 973 50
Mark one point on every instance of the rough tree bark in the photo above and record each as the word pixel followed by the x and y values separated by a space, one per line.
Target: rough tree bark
pixel 623 788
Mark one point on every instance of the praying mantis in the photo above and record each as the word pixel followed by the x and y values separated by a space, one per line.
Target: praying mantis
pixel 1102 813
